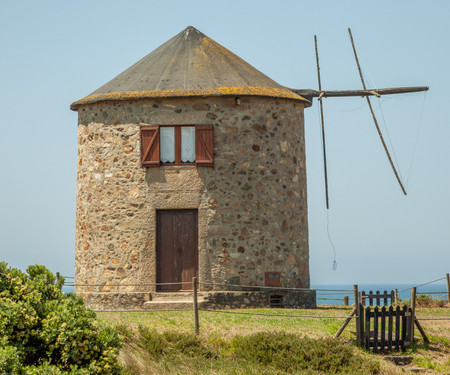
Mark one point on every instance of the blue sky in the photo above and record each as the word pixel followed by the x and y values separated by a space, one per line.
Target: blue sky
pixel 55 52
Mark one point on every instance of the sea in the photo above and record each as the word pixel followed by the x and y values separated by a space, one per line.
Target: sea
pixel 324 297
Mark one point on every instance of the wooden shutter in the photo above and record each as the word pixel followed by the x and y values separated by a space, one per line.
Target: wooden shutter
pixel 150 146
pixel 204 145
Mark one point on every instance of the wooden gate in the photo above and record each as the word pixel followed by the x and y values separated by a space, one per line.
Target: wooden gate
pixel 386 328
pixel 378 298
pixel 176 249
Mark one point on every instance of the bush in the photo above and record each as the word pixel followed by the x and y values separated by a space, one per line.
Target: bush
pixel 171 343
pixel 9 360
pixel 45 331
pixel 292 354
pixel 264 352
pixel 428 301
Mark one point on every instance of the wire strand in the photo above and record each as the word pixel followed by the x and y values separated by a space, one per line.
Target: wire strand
pixel 276 315
pixel 417 138
pixel 429 282
pixel 400 178
pixel 334 267
pixel 389 138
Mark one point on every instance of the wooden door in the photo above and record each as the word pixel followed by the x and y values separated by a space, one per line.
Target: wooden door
pixel 176 248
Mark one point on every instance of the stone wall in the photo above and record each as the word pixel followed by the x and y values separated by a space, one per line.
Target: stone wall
pixel 114 301
pixel 252 210
pixel 260 299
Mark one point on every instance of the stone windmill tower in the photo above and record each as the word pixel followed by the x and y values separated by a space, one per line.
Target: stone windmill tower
pixel 191 163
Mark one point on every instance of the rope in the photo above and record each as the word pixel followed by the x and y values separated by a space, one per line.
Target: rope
pixel 443 293
pixel 276 315
pixel 279 289
pixel 433 318
pixel 379 102
pixel 325 294
pixel 429 282
pixel 147 284
pixel 144 311
pixel 353 109
pixel 417 138
pixel 389 138
pixel 268 288
pixel 374 117
pixel 334 267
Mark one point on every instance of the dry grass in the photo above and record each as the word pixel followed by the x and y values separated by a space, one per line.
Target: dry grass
pixel 435 357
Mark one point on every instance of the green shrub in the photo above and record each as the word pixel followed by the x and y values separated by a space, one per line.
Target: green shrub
pixel 188 344
pixel 152 342
pixel 428 301
pixel 171 343
pixel 9 360
pixel 45 331
pixel 291 353
pixel 266 352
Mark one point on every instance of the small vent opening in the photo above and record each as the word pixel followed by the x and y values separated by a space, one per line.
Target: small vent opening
pixel 276 300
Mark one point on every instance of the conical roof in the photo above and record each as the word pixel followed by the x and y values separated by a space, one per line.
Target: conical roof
pixel 188 65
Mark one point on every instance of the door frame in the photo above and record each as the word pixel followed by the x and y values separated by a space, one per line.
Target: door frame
pixel 175 287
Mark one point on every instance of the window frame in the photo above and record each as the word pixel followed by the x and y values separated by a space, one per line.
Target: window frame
pixel 177 131
pixel 204 145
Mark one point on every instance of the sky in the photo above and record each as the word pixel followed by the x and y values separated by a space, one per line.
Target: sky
pixel 56 52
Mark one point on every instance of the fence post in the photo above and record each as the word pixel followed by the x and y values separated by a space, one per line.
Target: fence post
pixel 413 314
pixel 195 304
pixel 448 288
pixel 57 276
pixel 358 317
pixel 342 327
pixel 396 296
pixel 345 300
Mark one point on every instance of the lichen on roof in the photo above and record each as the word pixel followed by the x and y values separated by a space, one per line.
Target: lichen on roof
pixel 189 65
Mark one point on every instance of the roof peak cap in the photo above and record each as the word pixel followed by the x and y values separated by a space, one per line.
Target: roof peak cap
pixel 191 32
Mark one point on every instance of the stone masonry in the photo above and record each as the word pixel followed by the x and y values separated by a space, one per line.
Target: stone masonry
pixel 252 208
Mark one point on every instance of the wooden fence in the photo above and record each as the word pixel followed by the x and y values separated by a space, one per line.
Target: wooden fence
pixel 386 328
pixel 381 299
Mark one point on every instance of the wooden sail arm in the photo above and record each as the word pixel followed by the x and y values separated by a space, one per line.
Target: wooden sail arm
pixel 307 93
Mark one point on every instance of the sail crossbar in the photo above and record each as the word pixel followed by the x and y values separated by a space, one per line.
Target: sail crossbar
pixel 308 93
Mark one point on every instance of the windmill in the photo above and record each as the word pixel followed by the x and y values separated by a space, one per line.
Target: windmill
pixel 365 92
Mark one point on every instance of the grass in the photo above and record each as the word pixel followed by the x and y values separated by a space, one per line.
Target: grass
pixel 229 325
pixel 163 342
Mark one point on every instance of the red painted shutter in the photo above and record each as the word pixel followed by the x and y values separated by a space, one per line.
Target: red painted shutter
pixel 150 146
pixel 204 145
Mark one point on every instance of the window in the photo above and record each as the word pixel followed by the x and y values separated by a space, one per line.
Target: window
pixel 177 145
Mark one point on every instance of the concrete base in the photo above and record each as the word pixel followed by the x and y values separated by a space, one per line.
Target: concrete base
pixel 111 301
pixel 206 300
pixel 262 299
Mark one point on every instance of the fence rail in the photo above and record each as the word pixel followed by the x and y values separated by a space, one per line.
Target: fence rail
pixel 377 297
pixel 377 328
pixel 233 287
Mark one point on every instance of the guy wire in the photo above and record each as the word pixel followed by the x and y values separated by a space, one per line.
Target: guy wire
pixel 417 138
pixel 380 101
pixel 334 267
pixel 390 140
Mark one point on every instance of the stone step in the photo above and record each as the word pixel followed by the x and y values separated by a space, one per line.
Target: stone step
pixel 176 296
pixel 171 304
